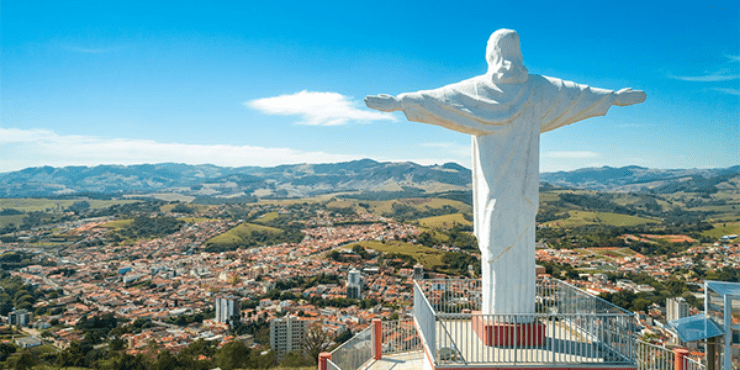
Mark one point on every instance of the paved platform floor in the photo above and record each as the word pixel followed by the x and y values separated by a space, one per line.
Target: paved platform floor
pixel 399 361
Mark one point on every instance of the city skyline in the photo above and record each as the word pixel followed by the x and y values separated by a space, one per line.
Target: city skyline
pixel 268 84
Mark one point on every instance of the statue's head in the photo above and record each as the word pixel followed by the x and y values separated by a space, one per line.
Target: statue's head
pixel 504 56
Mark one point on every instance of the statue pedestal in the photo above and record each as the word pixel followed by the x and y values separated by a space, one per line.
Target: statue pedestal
pixel 508 334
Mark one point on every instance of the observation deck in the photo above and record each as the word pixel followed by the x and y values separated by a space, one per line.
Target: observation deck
pixel 570 329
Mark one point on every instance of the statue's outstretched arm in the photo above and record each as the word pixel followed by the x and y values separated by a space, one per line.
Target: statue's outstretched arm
pixel 383 102
pixel 628 96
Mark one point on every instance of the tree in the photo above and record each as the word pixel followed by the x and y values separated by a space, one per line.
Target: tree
pixel 199 347
pixel 130 362
pixel 315 342
pixel 166 361
pixel 345 336
pixel 117 344
pixel 74 355
pixel 6 349
pixel 26 361
pixel 233 355
pixel 295 359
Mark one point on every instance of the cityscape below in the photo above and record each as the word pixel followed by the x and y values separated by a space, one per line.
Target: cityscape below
pixel 92 279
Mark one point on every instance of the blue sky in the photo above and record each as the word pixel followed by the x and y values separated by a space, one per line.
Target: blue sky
pixel 267 83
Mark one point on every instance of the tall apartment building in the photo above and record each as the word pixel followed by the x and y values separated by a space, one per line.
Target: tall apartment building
pixel 676 308
pixel 286 334
pixel 227 308
pixel 354 284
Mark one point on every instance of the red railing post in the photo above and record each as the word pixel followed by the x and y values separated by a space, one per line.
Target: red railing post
pixel 679 358
pixel 377 340
pixel 323 357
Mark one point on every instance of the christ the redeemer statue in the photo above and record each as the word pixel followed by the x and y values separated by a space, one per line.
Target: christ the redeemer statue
pixel 505 110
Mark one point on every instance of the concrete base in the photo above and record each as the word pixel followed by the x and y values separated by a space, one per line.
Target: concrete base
pixel 507 334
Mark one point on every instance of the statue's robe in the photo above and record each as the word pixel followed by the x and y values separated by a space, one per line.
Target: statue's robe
pixel 505 121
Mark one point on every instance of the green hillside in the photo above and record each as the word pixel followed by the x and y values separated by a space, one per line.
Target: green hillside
pixel 581 218
pixel 445 221
pixel 241 233
pixel 429 257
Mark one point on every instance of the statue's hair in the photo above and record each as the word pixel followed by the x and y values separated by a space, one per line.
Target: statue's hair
pixel 504 57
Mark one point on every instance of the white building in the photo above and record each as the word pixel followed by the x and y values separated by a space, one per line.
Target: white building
pixel 676 308
pixel 286 334
pixel 354 284
pixel 227 308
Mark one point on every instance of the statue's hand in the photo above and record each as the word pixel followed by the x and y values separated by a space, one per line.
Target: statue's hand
pixel 628 96
pixel 383 102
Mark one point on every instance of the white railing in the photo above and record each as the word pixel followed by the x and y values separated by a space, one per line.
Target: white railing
pixel 355 352
pixel 579 329
pixel 691 364
pixel 652 357
pixel 571 327
pixel 425 320
pixel 399 336
pixel 540 339
pixel 330 365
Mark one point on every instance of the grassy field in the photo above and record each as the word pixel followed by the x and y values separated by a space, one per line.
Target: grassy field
pixel 549 197
pixel 117 224
pixel 581 218
pixel 13 219
pixel 170 197
pixel 611 253
pixel 239 233
pixel 724 228
pixel 267 217
pixel 197 207
pixel 429 257
pixel 193 219
pixel 54 205
pixel 379 208
pixel 445 221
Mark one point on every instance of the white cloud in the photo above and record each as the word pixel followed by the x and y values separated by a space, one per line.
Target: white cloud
pixel 29 148
pixel 733 58
pixel 574 154
pixel 721 75
pixel 727 90
pixel 318 108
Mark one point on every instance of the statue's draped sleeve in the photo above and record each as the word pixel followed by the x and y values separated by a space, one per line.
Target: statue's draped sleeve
pixel 565 102
pixel 478 107
pixel 472 106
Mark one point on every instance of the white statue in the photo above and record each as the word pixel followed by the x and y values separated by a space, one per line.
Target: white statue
pixel 505 111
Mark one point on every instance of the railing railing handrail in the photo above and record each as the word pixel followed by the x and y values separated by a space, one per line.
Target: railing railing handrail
pixel 460 315
pixel 599 299
pixel 456 285
pixel 341 346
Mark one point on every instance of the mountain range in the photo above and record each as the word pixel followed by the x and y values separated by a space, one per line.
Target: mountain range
pixel 302 180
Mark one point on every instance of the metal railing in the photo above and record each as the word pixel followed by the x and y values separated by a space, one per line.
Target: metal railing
pixel 578 329
pixel 691 364
pixel 399 336
pixel 355 352
pixel 330 365
pixel 425 320
pixel 570 327
pixel 652 357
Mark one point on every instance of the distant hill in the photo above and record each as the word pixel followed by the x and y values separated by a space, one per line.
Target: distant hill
pixel 383 179
pixel 635 178
pixel 214 181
